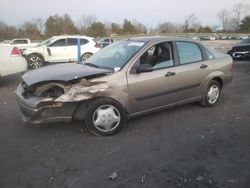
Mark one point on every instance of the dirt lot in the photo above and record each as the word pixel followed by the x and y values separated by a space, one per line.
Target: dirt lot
pixel 221 45
pixel 188 146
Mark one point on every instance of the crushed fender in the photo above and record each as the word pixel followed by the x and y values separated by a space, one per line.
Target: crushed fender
pixel 84 90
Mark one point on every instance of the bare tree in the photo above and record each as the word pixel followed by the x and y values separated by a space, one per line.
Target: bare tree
pixel 40 24
pixel 29 30
pixel 240 10
pixel 85 22
pixel 166 27
pixel 190 22
pixel 224 17
pixel 140 28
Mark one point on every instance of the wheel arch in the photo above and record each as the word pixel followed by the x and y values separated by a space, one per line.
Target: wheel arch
pixel 36 53
pixel 80 110
pixel 219 80
pixel 216 75
pixel 86 53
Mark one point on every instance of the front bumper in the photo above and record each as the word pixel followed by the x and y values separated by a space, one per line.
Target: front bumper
pixel 241 55
pixel 37 110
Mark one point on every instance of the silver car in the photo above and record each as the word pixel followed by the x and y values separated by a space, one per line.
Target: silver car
pixel 128 78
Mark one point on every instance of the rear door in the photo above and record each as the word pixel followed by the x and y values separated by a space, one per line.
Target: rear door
pixel 73 49
pixel 193 68
pixel 71 45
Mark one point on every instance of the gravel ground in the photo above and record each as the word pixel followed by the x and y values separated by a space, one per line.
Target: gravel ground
pixel 187 146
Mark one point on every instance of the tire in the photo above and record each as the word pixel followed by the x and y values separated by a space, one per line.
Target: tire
pixel 211 94
pixel 35 61
pixel 105 117
pixel 86 56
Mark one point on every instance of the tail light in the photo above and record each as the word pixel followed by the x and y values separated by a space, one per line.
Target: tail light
pixel 15 52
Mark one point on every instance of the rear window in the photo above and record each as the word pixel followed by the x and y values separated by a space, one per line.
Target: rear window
pixel 242 48
pixel 20 41
pixel 189 52
pixel 245 41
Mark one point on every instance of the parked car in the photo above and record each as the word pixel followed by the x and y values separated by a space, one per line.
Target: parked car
pixel 105 42
pixel 241 51
pixel 11 61
pixel 59 49
pixel 6 42
pixel 21 43
pixel 125 79
pixel 208 37
pixel 245 41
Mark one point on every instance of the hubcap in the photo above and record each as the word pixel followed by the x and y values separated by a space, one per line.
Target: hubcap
pixel 106 118
pixel 213 94
pixel 86 56
pixel 35 62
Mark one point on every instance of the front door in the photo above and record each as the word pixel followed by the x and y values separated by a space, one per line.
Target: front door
pixel 57 51
pixel 157 88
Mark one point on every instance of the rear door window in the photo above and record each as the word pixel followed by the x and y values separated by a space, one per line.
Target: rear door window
pixel 84 41
pixel 71 42
pixel 189 52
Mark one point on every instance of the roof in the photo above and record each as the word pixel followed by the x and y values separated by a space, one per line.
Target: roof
pixel 158 38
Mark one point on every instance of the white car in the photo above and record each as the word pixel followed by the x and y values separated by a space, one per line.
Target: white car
pixel 11 61
pixel 59 49
pixel 20 43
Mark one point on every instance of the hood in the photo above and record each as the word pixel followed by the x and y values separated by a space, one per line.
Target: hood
pixel 242 45
pixel 61 72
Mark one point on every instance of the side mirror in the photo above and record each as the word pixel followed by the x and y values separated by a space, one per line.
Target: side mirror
pixel 144 68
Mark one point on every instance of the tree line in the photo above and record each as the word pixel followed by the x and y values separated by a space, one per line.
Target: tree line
pixel 235 20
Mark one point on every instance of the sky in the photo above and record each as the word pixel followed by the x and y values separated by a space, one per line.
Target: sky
pixel 148 12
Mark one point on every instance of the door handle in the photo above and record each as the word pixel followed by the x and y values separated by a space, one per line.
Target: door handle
pixel 203 66
pixel 170 74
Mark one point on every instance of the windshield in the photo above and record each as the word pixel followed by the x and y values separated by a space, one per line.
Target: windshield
pixel 245 41
pixel 115 56
pixel 47 42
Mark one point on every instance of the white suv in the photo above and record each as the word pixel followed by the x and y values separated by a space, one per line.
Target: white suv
pixel 60 49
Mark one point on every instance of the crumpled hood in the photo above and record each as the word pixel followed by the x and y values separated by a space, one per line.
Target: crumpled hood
pixel 37 49
pixel 61 72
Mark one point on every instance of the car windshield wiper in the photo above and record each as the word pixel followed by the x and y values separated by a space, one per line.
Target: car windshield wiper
pixel 91 65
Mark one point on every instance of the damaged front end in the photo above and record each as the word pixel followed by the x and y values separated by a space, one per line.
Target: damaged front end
pixel 53 101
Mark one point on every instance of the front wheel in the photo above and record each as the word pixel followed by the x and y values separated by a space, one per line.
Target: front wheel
pixel 86 56
pixel 35 61
pixel 105 117
pixel 212 94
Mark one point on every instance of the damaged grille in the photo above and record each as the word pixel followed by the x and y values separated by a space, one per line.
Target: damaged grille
pixel 46 90
pixel 53 92
pixel 28 90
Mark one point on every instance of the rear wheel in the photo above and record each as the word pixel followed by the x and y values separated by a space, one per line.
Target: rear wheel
pixel 35 61
pixel 86 56
pixel 212 94
pixel 105 117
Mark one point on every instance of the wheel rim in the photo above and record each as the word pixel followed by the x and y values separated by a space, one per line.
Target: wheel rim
pixel 106 118
pixel 86 56
pixel 213 94
pixel 35 62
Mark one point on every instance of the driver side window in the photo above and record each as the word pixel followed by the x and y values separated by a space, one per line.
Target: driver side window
pixel 158 56
pixel 58 43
